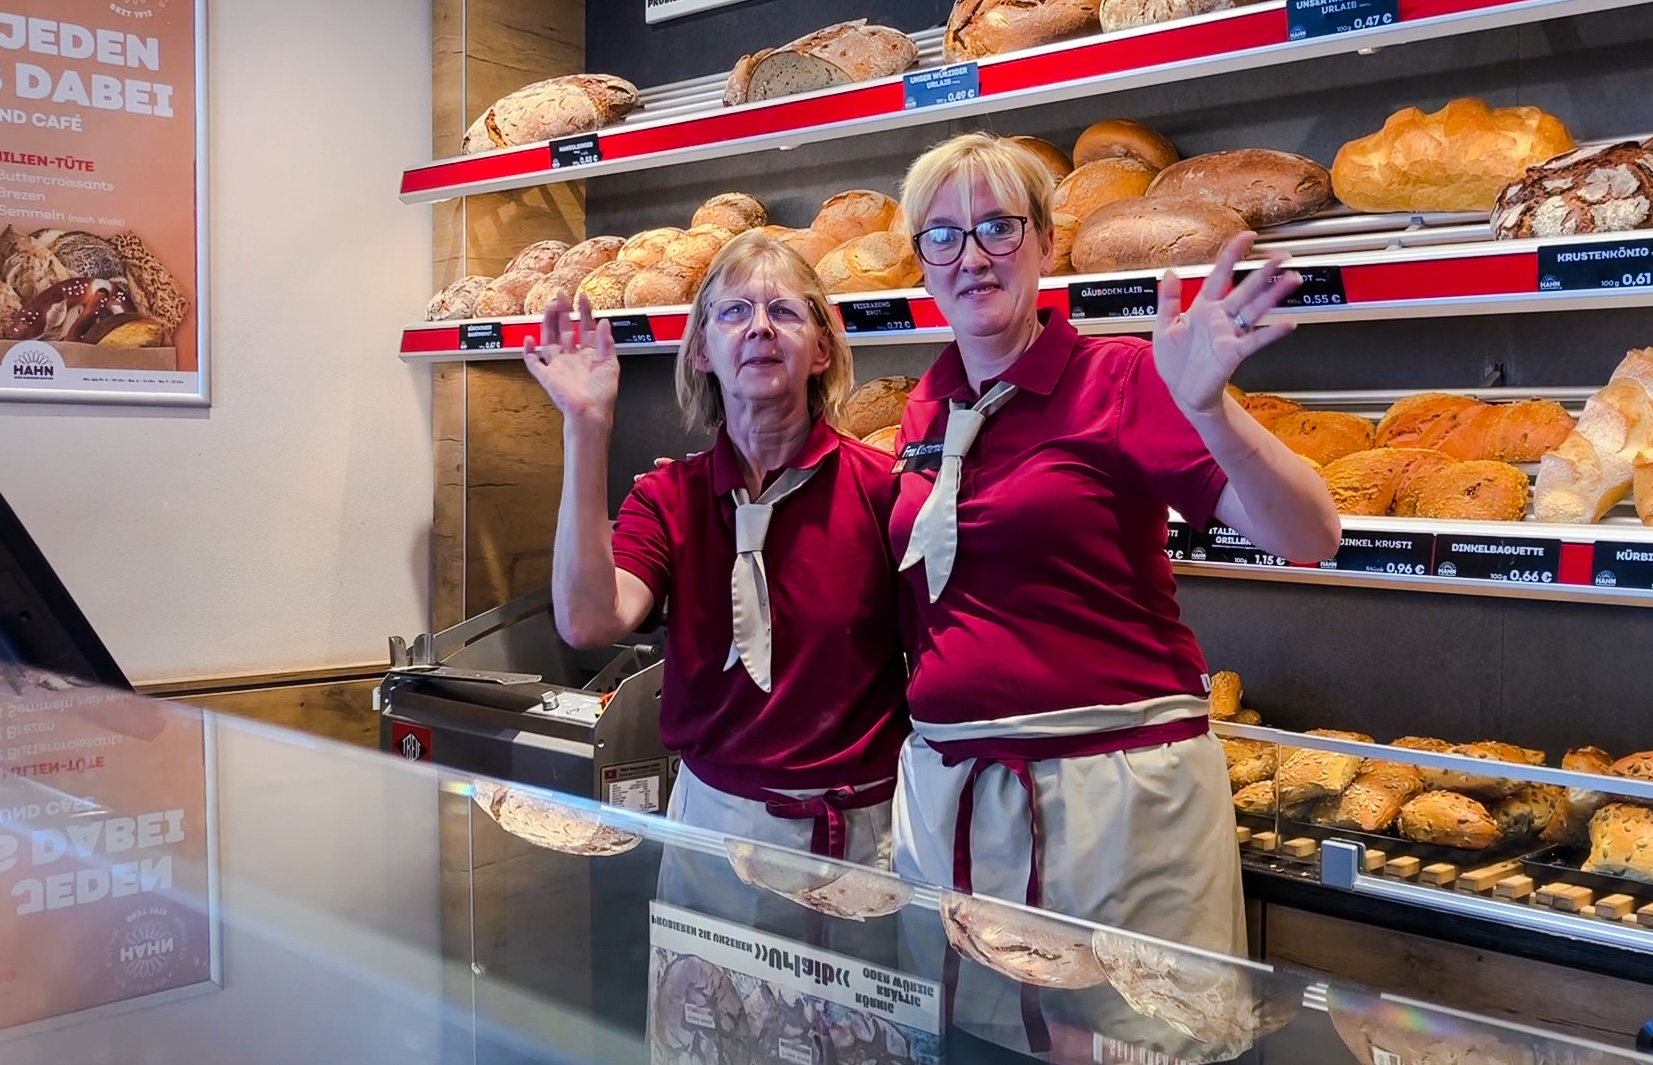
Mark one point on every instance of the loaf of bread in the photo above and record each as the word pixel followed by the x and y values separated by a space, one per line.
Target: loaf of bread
pixel 1448 819
pixel 1249 761
pixel 876 404
pixel 854 213
pixel 1052 158
pixel 591 253
pixel 504 295
pixel 1592 469
pixel 1408 492
pixel 1264 187
pixel 605 286
pixel 1641 485
pixel 740 77
pixel 1373 799
pixel 1097 184
pixel 977 28
pixel 1367 482
pixel 840 54
pixel 541 257
pixel 1508 432
pixel 83 254
pixel 458 300
pixel 872 263
pixel 1225 695
pixel 1423 420
pixel 1570 823
pixel 1124 14
pixel 692 252
pixel 564 279
pixel 1474 491
pixel 1152 232
pixel 1485 787
pixel 1306 775
pixel 555 107
pixel 1527 811
pixel 1247 717
pixel 810 245
pixel 1324 436
pixel 1456 159
pixel 1601 189
pixel 1621 842
pixel 647 248
pixel 734 211
pixel 1257 799
pixel 29 266
pixel 1266 409
pixel 1122 136
pixel 665 284
pixel 1064 228
pixel 883 439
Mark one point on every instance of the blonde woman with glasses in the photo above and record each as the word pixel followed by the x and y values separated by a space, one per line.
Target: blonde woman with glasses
pixel 784 677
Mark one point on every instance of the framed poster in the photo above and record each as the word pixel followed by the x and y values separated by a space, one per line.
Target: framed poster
pixel 102 201
pixel 666 10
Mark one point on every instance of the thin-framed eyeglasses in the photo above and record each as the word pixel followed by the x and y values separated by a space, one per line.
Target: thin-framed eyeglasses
pixel 997 236
pixel 785 312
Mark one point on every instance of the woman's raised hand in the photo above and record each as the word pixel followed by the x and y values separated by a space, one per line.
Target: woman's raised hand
pixel 574 361
pixel 1198 350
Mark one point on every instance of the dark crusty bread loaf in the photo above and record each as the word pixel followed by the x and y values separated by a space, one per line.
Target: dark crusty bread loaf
pixel 1150 232
pixel 840 54
pixel 1263 186
pixel 1601 189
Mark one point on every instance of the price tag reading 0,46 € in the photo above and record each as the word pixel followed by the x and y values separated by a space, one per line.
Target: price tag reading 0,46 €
pixel 1591 267
pixel 1322 18
pixel 1125 297
pixel 1497 558
pixel 1222 544
pixel 943 85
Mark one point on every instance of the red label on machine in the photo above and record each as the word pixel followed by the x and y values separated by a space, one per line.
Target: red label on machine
pixel 412 742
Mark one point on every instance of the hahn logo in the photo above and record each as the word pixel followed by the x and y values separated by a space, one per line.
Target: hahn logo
pixel 31 363
pixel 148 949
pixel 34 366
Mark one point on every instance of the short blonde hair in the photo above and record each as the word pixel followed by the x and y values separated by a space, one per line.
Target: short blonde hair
pixel 1014 174
pixel 698 392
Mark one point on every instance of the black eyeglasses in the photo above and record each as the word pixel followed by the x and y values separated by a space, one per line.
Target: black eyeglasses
pixel 997 236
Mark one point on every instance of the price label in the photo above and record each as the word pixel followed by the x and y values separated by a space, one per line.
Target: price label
pixel 481 336
pixel 943 85
pixel 1392 554
pixel 1497 558
pixel 1177 540
pixel 576 151
pixel 1130 297
pixel 1222 544
pixel 1322 286
pixel 1323 18
pixel 876 316
pixel 1591 267
pixel 1619 565
pixel 633 329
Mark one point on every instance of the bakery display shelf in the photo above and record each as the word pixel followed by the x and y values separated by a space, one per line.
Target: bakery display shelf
pixel 686 122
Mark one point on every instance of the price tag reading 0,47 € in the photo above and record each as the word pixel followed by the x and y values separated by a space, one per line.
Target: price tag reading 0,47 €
pixel 1222 544
pixel 943 85
pixel 1591 267
pixel 1322 18
pixel 1497 558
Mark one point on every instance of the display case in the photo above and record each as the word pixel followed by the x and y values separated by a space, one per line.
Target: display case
pixel 217 890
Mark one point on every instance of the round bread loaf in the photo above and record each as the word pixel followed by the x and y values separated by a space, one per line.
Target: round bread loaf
pixel 605 286
pixel 1638 766
pixel 458 300
pixel 1324 436
pixel 504 295
pixel 1095 185
pixel 564 279
pixel 1263 186
pixel 810 245
pixel 541 257
pixel 1149 232
pixel 1064 228
pixel 1124 14
pixel 871 263
pixel 591 253
pixel 1122 136
pixel 29 266
pixel 855 213
pixel 883 439
pixel 734 211
pixel 1053 158
pixel 665 284
pixel 1479 491
pixel 555 107
pixel 1509 432
pixel 875 405
pixel 1406 492
pixel 1603 189
pixel 694 251
pixel 1423 420
pixel 648 247
pixel 840 54
pixel 977 28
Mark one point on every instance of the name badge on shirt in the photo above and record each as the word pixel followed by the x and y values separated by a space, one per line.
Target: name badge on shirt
pixel 918 456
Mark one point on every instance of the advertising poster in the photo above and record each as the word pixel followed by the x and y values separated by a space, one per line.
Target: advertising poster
pixel 105 847
pixel 721 993
pixel 100 201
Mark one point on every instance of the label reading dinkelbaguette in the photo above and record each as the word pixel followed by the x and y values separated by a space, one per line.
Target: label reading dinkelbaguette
pixel 582 150
pixel 1393 554
pixel 1592 267
pixel 1497 558
pixel 481 336
pixel 943 85
pixel 1620 565
pixel 632 329
pixel 877 316
pixel 1126 297
pixel 1222 544
pixel 1323 18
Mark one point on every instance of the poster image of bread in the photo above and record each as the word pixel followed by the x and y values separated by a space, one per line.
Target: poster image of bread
pixel 105 851
pixel 721 994
pixel 99 196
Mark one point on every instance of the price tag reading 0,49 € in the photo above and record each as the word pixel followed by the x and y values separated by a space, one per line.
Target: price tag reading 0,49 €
pixel 1322 18
pixel 943 85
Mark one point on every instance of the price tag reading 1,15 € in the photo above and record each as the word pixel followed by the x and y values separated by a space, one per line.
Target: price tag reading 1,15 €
pixel 877 316
pixel 943 85
pixel 1322 18
pixel 1125 297
pixel 1222 544
pixel 1392 554
pixel 1590 267
pixel 1497 558
pixel 481 336
pixel 1618 565
pixel 576 151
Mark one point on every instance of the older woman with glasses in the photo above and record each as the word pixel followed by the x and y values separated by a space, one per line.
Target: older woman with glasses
pixel 784 674
pixel 1061 752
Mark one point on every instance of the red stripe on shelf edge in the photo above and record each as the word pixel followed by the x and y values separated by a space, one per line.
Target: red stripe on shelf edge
pixel 520 162
pixel 926 315
pixel 1482 275
pixel 737 125
pixel 1576 563
pixel 668 328
pixel 1057 300
pixel 1411 10
pixel 419 341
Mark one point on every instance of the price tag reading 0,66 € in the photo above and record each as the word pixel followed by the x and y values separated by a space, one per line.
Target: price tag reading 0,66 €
pixel 1125 297
pixel 1322 18
pixel 1391 554
pixel 1222 544
pixel 1497 558
pixel 943 85
pixel 1592 267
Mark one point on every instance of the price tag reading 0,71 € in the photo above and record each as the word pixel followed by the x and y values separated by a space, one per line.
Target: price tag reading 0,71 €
pixel 1222 544
pixel 1497 558
pixel 943 85
pixel 1322 18
pixel 1592 267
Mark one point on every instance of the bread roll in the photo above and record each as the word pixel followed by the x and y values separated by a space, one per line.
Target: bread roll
pixel 591 253
pixel 1249 761
pixel 1266 409
pixel 1408 491
pixel 1621 842
pixel 1366 482
pixel 1124 14
pixel 647 248
pixel 872 263
pixel 1150 232
pixel 504 295
pixel 1065 227
pixel 811 246
pixel 1447 819
pixel 1122 136
pixel 855 214
pixel 1509 432
pixel 1247 717
pixel 1257 799
pixel 1421 743
pixel 1051 157
pixel 1641 485
pixel 1423 420
pixel 1486 787
pixel 605 286
pixel 1374 798
pixel 1095 185
pixel 876 404
pixel 734 211
pixel 546 110
pixel 977 28
pixel 83 254
pixel 665 284
pixel 1602 189
pixel 1527 811
pixel 458 300
pixel 563 279
pixel 883 439
pixel 1264 187
pixel 1638 766
pixel 1225 695
pixel 1324 436
pixel 840 54
pixel 740 78
pixel 1306 775
pixel 1570 823
pixel 1456 159
pixel 541 257
pixel 1475 491
pixel 1591 470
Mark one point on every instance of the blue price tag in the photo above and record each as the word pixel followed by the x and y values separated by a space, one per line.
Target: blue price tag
pixel 943 85
pixel 1322 18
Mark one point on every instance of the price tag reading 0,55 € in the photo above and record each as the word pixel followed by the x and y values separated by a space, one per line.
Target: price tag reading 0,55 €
pixel 1497 558
pixel 1391 554
pixel 943 85
pixel 1591 267
pixel 1618 565
pixel 1322 286
pixel 1125 297
pixel 1322 18
pixel 1222 544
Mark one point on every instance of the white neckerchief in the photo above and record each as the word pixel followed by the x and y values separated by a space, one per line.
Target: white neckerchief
pixel 749 584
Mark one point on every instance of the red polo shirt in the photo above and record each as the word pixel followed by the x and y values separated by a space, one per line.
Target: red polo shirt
pixel 1061 594
pixel 837 714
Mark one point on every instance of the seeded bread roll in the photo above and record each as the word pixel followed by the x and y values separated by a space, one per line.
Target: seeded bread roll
pixel 591 253
pixel 1621 842
pixel 1095 185
pixel 1471 491
pixel 1423 420
pixel 872 263
pixel 1486 787
pixel 1509 432
pixel 1257 799
pixel 1570 824
pixel 504 295
pixel 1249 761
pixel 1374 798
pixel 605 286
pixel 1150 232
pixel 1527 811
pixel 1638 766
pixel 1421 743
pixel 555 107
pixel 1602 189
pixel 541 257
pixel 840 54
pixel 1366 482
pixel 734 211
pixel 978 28
pixel 1324 436
pixel 855 213
pixel 1447 819
pixel 1051 157
pixel 1264 187
pixel 1306 775
pixel 1122 136
pixel 647 248
pixel 876 404
pixel 458 300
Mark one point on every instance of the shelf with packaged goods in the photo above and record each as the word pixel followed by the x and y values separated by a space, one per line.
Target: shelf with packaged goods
pixel 1475 276
pixel 686 123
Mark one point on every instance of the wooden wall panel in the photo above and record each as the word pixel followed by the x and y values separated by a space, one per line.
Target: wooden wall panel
pixel 337 710
pixel 447 405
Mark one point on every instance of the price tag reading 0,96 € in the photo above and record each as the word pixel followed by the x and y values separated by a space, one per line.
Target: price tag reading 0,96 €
pixel 943 85
pixel 1391 554
pixel 1125 297
pixel 1322 18
pixel 1592 267
pixel 1497 558
pixel 1222 544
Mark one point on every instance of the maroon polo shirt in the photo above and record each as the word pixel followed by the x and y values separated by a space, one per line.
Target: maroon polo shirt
pixel 837 714
pixel 1061 594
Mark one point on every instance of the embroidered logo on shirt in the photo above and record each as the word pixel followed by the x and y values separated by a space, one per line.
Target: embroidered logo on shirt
pixel 919 455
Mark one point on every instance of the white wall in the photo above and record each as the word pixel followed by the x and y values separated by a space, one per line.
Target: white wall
pixel 287 527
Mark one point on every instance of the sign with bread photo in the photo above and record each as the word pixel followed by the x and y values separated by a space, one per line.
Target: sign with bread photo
pixel 99 228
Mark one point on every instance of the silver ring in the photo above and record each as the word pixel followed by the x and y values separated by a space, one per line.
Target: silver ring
pixel 1240 323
